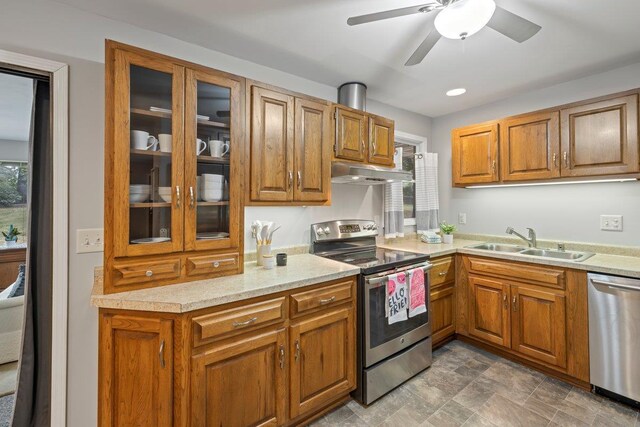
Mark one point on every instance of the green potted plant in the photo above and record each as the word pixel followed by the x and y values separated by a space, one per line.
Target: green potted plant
pixel 11 236
pixel 447 232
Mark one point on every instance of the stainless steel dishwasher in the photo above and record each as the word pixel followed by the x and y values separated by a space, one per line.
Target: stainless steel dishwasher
pixel 614 336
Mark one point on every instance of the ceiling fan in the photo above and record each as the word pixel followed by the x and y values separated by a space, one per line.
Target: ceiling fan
pixel 458 19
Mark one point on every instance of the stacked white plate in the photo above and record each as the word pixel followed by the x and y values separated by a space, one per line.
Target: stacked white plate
pixel 165 193
pixel 139 193
pixel 212 187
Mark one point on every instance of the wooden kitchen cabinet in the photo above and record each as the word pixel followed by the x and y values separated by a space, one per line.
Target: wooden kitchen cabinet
pixel 530 147
pixel 275 360
pixel 352 134
pixel 442 299
pixel 475 154
pixel 534 313
pixel 539 324
pixel 323 359
pixel 158 210
pixel 489 314
pixel 290 142
pixel 381 141
pixel 136 371
pixel 600 138
pixel 241 383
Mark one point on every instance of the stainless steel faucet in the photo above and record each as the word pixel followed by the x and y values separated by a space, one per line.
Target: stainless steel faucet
pixel 531 241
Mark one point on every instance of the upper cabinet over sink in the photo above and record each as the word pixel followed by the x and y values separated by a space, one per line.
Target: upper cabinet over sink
pixel 594 138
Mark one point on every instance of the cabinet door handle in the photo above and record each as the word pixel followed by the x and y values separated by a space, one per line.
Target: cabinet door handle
pixel 555 160
pixel 297 354
pixel 442 273
pixel 504 300
pixel 192 200
pixel 364 147
pixel 245 323
pixel 290 179
pixel 161 354
pixel 373 145
pixel 148 273
pixel 281 357
pixel 299 179
pixel 515 303
pixel 493 165
pixel 178 196
pixel 565 159
pixel 327 300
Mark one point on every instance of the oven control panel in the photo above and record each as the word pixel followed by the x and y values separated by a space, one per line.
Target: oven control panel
pixel 343 229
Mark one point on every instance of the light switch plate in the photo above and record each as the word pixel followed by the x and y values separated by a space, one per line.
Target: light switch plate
pixel 611 222
pixel 89 240
pixel 462 218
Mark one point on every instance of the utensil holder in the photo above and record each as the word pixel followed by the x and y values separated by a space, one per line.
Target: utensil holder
pixel 262 250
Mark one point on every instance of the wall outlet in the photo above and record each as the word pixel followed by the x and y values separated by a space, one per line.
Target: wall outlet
pixel 611 222
pixel 89 240
pixel 462 218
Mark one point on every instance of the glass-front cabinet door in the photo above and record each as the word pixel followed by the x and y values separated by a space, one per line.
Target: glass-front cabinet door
pixel 149 155
pixel 213 144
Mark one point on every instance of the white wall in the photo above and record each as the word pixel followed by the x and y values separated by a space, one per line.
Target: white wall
pixel 562 212
pixel 55 31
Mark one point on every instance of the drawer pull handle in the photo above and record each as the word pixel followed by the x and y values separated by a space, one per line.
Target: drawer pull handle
pixel 216 264
pixel 328 300
pixel 245 323
pixel 281 357
pixel 149 273
pixel 297 355
pixel 443 273
pixel 161 354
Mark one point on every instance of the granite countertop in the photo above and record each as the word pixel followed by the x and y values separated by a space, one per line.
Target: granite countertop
pixel 300 271
pixel 621 265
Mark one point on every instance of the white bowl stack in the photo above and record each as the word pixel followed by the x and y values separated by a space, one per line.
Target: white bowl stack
pixel 139 193
pixel 165 193
pixel 212 187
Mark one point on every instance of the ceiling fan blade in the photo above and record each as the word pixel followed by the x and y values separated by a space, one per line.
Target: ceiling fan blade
pixel 513 26
pixel 379 16
pixel 425 47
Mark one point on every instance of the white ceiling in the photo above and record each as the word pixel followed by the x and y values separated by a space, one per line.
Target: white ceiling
pixel 310 38
pixel 16 100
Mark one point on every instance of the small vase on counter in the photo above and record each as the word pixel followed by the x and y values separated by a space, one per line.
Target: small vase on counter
pixel 447 239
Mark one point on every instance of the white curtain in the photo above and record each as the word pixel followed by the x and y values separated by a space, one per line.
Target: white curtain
pixel 427 204
pixel 393 204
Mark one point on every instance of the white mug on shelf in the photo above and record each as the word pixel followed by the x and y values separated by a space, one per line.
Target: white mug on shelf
pixel 200 146
pixel 218 148
pixel 164 141
pixel 141 140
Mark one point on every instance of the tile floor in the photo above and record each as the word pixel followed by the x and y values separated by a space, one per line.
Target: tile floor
pixel 467 386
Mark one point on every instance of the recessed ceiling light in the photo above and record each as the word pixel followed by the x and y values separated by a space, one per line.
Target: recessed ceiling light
pixel 456 92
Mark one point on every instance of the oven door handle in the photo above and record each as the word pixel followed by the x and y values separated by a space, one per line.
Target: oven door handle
pixel 379 279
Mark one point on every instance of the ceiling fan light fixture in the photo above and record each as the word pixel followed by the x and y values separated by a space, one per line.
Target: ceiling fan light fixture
pixel 456 92
pixel 464 18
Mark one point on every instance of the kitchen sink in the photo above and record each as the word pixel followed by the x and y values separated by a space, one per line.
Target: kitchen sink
pixel 566 255
pixel 498 247
pixel 543 253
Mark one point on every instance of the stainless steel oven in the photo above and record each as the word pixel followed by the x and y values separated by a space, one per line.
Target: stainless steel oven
pixel 388 355
pixel 381 339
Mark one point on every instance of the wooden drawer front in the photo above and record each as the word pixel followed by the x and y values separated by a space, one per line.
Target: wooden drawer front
pixel 443 271
pixel 544 276
pixel 146 271
pixel 212 264
pixel 321 297
pixel 241 319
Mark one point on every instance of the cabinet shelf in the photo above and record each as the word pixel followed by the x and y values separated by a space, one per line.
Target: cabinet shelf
pixel 213 160
pixel 163 115
pixel 150 205
pixel 220 203
pixel 150 153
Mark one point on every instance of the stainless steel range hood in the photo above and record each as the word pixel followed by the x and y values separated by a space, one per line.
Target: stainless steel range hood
pixel 354 173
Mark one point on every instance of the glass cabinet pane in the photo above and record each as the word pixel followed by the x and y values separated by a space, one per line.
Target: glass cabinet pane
pixel 151 189
pixel 213 151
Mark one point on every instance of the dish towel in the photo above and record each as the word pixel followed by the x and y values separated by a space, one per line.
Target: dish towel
pixel 417 304
pixel 393 204
pixel 427 204
pixel 397 300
